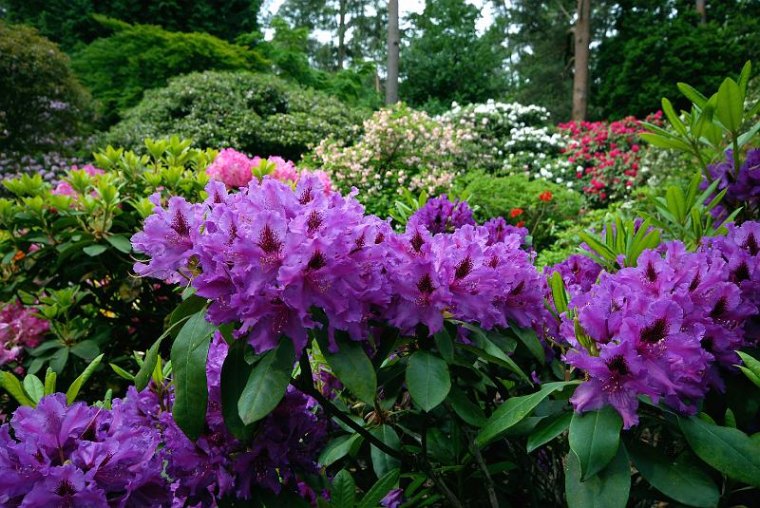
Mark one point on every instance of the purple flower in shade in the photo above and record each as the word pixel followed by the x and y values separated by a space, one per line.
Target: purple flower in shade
pixel 742 188
pixel 66 487
pixel 499 231
pixel 439 215
pixel 19 328
pixel 578 272
pixel 167 238
pixel 676 318
pixel 616 378
pixel 393 499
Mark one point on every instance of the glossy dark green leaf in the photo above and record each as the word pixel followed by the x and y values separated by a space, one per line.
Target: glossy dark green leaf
pixel 609 488
pixel 353 368
pixel 428 379
pixel 87 350
pixel 337 449
pixel 343 490
pixel 267 383
pixel 514 410
pixel 728 450
pixel 378 491
pixel 445 345
pixel 595 438
pixel 529 338
pixel 549 429
pixel 681 480
pixel 188 356
pixel 235 374
pixel 382 463
pixel 466 409
pixel 58 360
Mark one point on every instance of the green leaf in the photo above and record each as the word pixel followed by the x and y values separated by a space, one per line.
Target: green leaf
pixel 608 489
pixel 34 388
pixel 188 356
pixel 86 350
pixel 595 438
pixel 673 118
pixel 692 94
pixel 528 337
pixel 59 359
pixel 343 490
pixel 730 105
pixel 337 449
pixel 445 345
pixel 120 243
pixel 122 373
pixel 267 383
pixel 380 489
pixel 12 385
pixel 728 450
pixel 382 463
pixel 549 429
pixel 142 378
pixel 682 480
pixel 663 142
pixel 353 368
pixel 50 381
pixel 559 294
pixel 94 250
pixel 235 373
pixel 514 410
pixel 428 380
pixel 466 409
pixel 76 386
pixel 744 77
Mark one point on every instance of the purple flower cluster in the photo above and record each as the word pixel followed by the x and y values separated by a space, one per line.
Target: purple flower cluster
pixel 578 272
pixel 135 455
pixel 439 215
pixel 463 275
pixel 268 255
pixel 19 328
pixel 743 188
pixel 663 328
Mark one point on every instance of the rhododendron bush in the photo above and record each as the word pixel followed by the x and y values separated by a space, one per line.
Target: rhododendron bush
pixel 322 355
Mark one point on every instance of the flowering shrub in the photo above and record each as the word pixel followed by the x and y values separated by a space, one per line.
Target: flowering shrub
pixel 536 204
pixel 236 169
pixel 399 148
pixel 65 250
pixel 439 215
pixel 135 455
pixel 742 187
pixel 19 328
pixel 510 138
pixel 606 157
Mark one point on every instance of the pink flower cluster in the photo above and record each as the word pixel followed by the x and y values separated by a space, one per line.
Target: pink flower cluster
pixel 606 155
pixel 19 328
pixel 236 169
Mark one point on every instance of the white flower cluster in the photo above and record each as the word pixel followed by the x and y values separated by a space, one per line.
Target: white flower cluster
pixel 514 138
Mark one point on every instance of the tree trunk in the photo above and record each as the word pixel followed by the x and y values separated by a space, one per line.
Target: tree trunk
pixel 341 33
pixel 702 11
pixel 391 82
pixel 580 77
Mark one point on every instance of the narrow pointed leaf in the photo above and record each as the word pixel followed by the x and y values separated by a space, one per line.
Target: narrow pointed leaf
pixel 73 391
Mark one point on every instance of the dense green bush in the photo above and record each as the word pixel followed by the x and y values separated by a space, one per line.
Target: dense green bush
pixel 65 250
pixel 259 114
pixel 71 24
pixel 41 100
pixel 524 201
pixel 118 69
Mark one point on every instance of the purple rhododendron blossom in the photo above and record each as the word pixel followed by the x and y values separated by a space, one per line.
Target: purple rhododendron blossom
pixel 439 215
pixel 19 328
pixel 665 327
pixel 742 188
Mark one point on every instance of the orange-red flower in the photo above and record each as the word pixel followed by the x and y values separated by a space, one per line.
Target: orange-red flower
pixel 515 212
pixel 545 196
pixel 520 224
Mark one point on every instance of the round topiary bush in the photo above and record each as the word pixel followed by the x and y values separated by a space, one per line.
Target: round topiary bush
pixel 41 101
pixel 255 113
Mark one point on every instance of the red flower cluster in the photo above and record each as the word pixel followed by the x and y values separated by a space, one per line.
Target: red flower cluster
pixel 607 155
pixel 546 196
